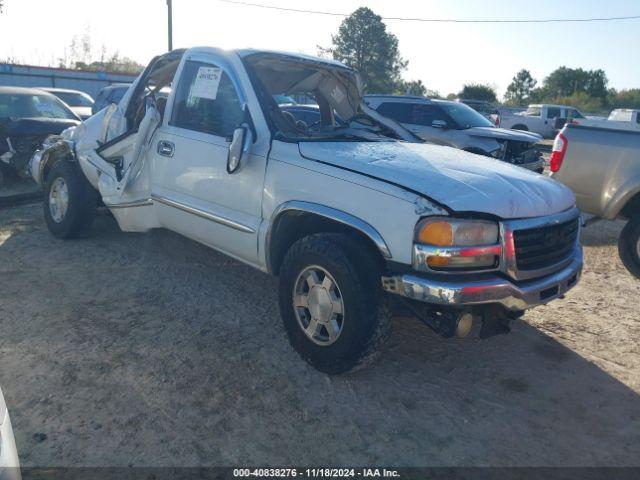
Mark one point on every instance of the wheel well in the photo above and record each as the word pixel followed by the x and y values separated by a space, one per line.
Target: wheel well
pixel 632 207
pixel 520 127
pixel 60 151
pixel 293 225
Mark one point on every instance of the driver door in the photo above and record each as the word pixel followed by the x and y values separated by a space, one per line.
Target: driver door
pixel 191 189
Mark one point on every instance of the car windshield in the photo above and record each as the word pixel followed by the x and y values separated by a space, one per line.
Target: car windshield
pixel 22 105
pixel 533 112
pixel 74 99
pixel 331 88
pixel 621 116
pixel 465 116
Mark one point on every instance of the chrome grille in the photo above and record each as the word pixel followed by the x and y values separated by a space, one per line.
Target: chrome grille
pixel 542 247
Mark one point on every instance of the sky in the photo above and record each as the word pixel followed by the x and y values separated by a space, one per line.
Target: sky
pixel 444 56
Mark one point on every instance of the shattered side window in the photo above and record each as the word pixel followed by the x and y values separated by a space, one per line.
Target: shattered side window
pixel 206 101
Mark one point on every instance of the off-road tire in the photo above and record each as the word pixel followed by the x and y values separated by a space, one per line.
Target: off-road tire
pixel 82 203
pixel 628 246
pixel 367 319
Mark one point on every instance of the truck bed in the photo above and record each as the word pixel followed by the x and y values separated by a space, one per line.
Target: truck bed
pixel 601 166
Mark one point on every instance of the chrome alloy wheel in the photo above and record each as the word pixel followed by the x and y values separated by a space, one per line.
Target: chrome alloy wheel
pixel 318 305
pixel 58 199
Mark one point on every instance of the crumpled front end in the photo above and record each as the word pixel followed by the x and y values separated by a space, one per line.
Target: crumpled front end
pixel 522 154
pixel 20 138
pixel 52 149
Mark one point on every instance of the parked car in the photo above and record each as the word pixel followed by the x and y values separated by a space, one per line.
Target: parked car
pixel 602 167
pixel 355 219
pixel 9 463
pixel 628 115
pixel 108 95
pixel 454 124
pixel 27 117
pixel 502 111
pixel 79 102
pixel 621 118
pixel 540 119
pixel 484 108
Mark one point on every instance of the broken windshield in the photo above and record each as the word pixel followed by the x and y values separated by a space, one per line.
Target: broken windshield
pixel 328 90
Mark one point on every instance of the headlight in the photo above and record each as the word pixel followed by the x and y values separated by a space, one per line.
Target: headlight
pixel 454 244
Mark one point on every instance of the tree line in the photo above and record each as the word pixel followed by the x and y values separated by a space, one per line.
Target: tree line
pixel 363 42
pixel 586 89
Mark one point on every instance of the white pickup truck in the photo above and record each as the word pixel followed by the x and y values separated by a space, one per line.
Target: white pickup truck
pixel 356 219
pixel 539 118
pixel 620 118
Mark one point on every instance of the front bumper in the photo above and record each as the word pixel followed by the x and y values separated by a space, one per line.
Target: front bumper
pixel 493 289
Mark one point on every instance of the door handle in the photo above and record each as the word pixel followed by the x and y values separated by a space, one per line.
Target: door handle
pixel 165 148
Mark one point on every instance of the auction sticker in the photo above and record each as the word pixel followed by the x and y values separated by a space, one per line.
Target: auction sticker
pixel 206 83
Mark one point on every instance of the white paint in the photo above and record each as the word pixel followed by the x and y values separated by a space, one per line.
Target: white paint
pixel 384 197
pixel 462 181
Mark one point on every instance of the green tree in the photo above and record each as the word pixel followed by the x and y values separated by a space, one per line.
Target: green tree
pixel 624 98
pixel 564 82
pixel 415 87
pixel 477 91
pixel 363 43
pixel 520 88
pixel 81 56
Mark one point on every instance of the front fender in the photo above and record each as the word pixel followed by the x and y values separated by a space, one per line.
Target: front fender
pixel 329 213
pixel 54 148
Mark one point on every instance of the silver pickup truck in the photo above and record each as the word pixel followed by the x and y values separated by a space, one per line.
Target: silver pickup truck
pixel 602 167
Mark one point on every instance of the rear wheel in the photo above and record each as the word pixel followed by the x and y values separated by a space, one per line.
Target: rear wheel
pixel 332 304
pixel 69 201
pixel 629 246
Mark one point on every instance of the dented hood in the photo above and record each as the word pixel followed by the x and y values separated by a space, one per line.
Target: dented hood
pixel 503 134
pixel 462 181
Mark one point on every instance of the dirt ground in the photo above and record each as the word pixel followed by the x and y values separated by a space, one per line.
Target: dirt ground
pixel 149 349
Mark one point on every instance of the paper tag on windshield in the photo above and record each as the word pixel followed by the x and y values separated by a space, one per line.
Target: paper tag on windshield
pixel 337 94
pixel 206 83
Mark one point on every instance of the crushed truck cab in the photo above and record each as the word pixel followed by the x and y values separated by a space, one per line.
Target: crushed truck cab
pixel 358 218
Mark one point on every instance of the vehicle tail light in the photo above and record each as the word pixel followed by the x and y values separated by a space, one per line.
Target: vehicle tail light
pixel 557 152
pixel 497 120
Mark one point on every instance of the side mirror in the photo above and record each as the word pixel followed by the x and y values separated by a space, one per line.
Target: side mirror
pixel 439 124
pixel 239 148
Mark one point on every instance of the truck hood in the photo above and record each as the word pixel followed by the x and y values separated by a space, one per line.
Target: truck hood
pixel 459 180
pixel 503 134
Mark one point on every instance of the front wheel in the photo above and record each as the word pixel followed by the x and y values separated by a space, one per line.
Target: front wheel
pixel 629 246
pixel 69 201
pixel 331 303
